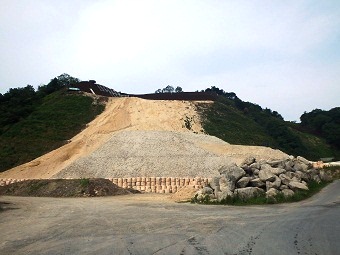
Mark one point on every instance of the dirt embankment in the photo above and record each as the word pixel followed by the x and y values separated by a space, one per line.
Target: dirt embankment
pixel 64 188
pixel 137 137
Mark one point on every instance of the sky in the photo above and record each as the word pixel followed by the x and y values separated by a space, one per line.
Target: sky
pixel 284 55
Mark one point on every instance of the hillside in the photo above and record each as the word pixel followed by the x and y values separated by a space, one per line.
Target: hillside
pixel 136 136
pixel 58 117
pixel 246 123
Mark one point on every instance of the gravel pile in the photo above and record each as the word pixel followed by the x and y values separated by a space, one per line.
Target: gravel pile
pixel 159 153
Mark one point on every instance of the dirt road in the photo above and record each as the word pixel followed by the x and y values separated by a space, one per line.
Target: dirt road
pixel 142 224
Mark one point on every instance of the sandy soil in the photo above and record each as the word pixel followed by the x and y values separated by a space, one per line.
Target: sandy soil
pixel 135 137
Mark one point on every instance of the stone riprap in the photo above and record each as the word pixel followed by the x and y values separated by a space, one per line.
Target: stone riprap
pixel 253 178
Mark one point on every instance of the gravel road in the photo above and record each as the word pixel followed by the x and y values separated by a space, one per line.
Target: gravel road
pixel 152 224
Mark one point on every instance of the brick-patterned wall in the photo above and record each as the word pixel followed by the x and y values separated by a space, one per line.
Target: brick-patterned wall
pixel 146 184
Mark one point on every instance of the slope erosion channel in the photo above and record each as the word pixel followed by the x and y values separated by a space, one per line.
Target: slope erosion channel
pixel 137 137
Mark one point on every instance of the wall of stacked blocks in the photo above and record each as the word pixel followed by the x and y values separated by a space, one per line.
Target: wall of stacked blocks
pixel 146 184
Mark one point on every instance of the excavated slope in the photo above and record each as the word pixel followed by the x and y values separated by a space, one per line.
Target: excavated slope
pixel 137 137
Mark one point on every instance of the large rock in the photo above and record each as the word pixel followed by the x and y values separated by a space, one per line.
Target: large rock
pixel 226 184
pixel 276 163
pixel 274 184
pixel 297 185
pixel 257 183
pixel 248 161
pixel 223 195
pixel 288 166
pixel 255 165
pixel 248 192
pixel 287 192
pixel 324 176
pixel 282 187
pixel 243 182
pixel 302 176
pixel 304 161
pixel 272 192
pixel 207 191
pixel 316 178
pixel 232 172
pixel 266 175
pixel 215 183
pixel 285 179
pixel 277 171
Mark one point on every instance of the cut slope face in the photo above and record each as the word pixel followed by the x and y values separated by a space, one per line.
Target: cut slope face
pixel 137 137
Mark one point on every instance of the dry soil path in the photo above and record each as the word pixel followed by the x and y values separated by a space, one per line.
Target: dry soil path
pixel 152 224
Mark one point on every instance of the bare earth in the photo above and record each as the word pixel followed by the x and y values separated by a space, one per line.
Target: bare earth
pixel 152 224
pixel 136 137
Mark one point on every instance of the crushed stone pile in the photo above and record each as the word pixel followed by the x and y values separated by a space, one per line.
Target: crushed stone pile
pixel 160 153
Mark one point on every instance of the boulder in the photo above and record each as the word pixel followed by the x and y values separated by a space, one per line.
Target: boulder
pixel 232 172
pixel 285 179
pixel 282 187
pixel 247 169
pixel 316 178
pixel 297 185
pixel 302 176
pixel 243 182
pixel 248 192
pixel 288 166
pixel 297 166
pixel 272 192
pixel 276 163
pixel 304 161
pixel 223 195
pixel 207 191
pixel 274 184
pixel 287 192
pixel 289 174
pixel 256 172
pixel 277 171
pixel 257 183
pixel 226 184
pixel 255 165
pixel 324 176
pixel 248 161
pixel 214 183
pixel 266 175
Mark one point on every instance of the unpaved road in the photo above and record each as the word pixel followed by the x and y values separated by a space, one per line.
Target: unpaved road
pixel 151 224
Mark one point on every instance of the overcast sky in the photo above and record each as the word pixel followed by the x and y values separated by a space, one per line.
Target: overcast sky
pixel 284 55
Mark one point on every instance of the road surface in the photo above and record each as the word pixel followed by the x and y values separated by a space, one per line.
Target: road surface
pixel 151 224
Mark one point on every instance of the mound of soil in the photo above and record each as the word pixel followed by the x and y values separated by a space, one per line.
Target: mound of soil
pixel 183 195
pixel 64 188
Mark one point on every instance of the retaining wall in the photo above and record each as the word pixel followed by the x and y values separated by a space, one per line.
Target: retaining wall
pixel 145 184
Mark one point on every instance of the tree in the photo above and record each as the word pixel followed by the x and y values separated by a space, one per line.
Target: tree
pixel 168 89
pixel 158 91
pixel 178 89
pixel 57 83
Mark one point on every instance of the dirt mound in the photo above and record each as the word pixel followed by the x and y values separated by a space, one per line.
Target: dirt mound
pixel 183 195
pixel 64 188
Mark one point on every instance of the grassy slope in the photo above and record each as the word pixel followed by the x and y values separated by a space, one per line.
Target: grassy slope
pixel 225 121
pixel 231 125
pixel 57 119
